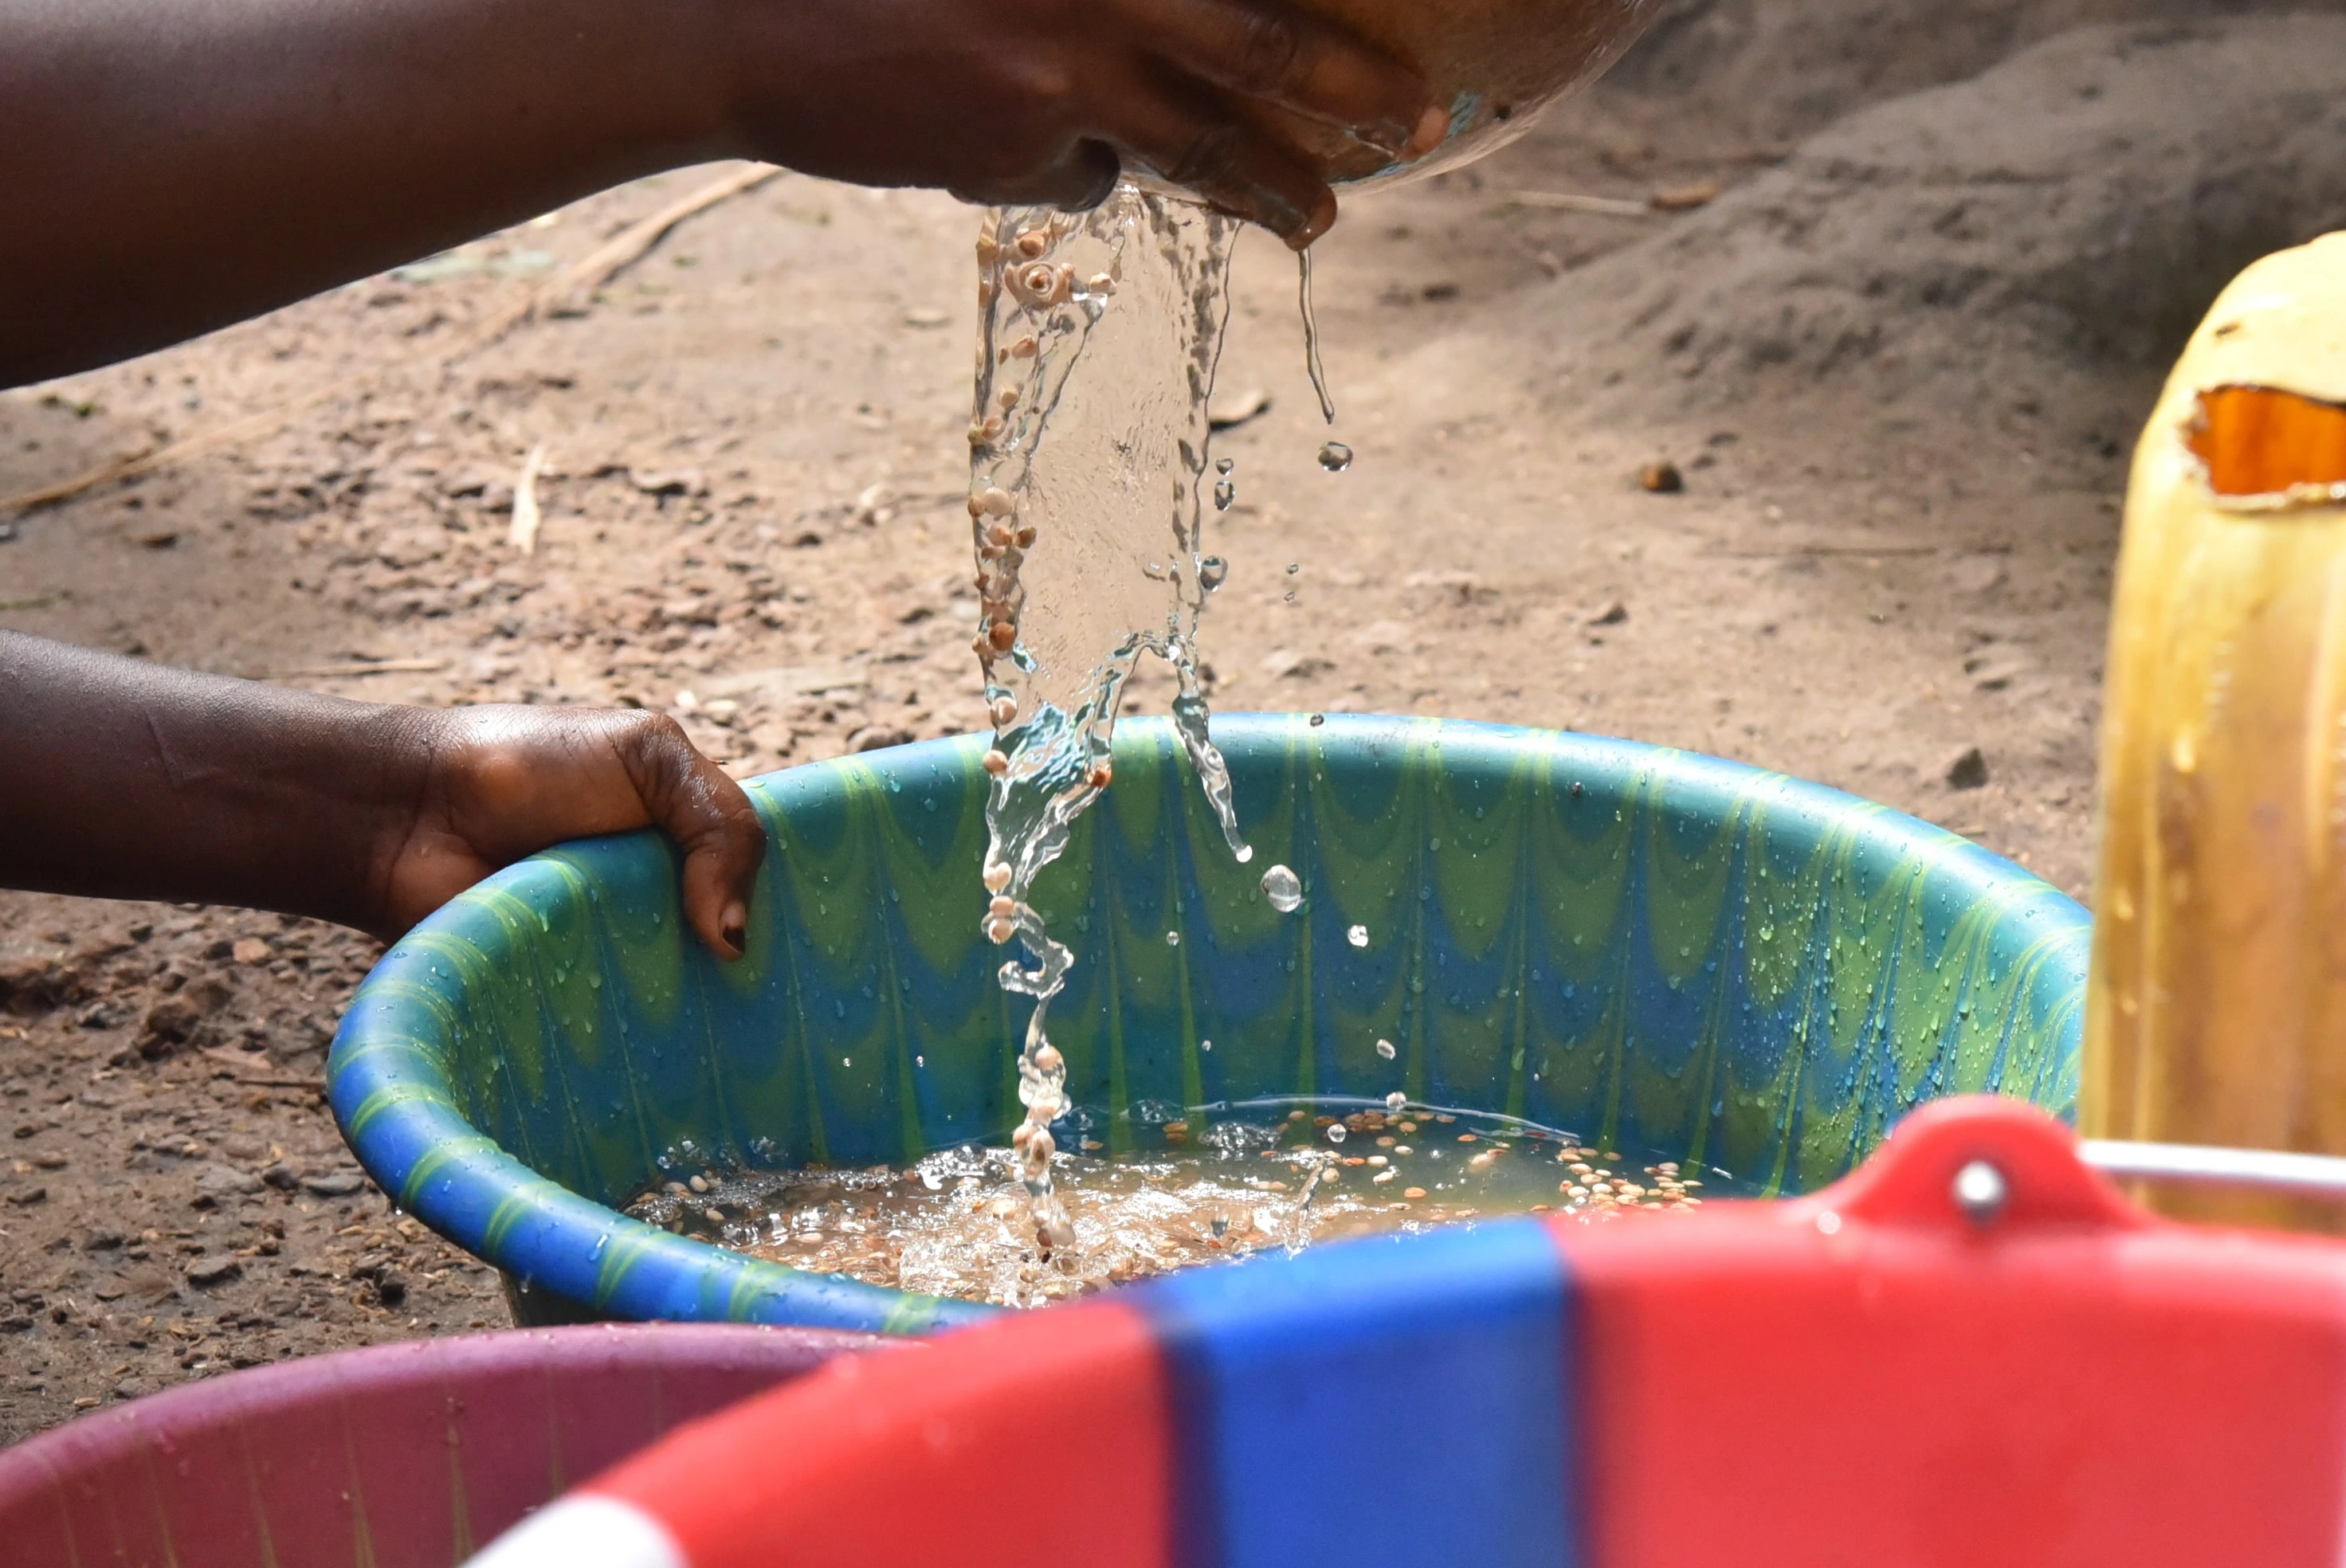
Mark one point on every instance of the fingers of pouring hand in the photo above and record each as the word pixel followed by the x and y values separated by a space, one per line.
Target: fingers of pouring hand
pixel 1189 137
pixel 1270 50
pixel 1158 80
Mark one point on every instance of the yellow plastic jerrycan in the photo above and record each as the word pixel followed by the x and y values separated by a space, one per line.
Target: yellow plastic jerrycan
pixel 2217 1009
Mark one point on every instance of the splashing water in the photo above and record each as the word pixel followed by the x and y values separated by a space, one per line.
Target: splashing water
pixel 1220 1182
pixel 1089 557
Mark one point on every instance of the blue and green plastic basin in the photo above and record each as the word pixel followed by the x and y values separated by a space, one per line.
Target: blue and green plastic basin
pixel 1656 950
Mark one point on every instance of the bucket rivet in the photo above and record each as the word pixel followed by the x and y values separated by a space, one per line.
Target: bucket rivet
pixel 1980 1192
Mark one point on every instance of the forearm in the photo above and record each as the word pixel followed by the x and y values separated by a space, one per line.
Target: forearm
pixel 124 780
pixel 171 166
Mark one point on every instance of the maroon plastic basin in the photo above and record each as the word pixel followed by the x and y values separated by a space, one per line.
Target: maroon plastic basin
pixel 398 1456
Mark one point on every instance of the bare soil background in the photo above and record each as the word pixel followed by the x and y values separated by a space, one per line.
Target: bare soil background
pixel 1896 363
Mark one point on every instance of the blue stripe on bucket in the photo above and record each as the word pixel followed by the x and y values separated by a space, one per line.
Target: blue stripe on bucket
pixel 1404 1395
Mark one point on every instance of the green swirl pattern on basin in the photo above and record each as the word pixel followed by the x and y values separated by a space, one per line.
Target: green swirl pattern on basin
pixel 1656 949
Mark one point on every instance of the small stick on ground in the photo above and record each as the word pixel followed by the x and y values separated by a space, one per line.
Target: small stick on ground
pixel 524 534
pixel 368 666
pixel 1574 201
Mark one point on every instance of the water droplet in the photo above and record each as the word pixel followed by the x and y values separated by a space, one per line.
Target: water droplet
pixel 1318 719
pixel 1293 567
pixel 1224 465
pixel 1335 457
pixel 1284 887
pixel 1396 1100
pixel 1385 1050
pixel 1357 936
pixel 1226 495
pixel 1336 1131
pixel 1288 596
pixel 1172 939
pixel 1211 570
pixel 1205 1046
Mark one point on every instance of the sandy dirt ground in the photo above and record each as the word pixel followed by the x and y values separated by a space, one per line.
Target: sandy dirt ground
pixel 1892 325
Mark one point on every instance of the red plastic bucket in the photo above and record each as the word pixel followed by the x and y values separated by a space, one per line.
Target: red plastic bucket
pixel 399 1456
pixel 1973 1352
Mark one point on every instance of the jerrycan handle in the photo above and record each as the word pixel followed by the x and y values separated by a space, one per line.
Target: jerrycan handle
pixel 1975 1163
pixel 2199 1164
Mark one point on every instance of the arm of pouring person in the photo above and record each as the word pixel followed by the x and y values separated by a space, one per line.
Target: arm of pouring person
pixel 173 166
pixel 121 778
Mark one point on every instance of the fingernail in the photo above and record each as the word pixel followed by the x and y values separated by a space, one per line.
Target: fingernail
pixel 1323 218
pixel 1432 130
pixel 733 924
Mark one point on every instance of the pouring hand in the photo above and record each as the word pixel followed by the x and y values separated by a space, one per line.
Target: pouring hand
pixel 1042 101
pixel 173 169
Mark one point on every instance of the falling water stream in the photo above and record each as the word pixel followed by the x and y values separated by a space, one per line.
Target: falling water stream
pixel 1099 334
pixel 1311 336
